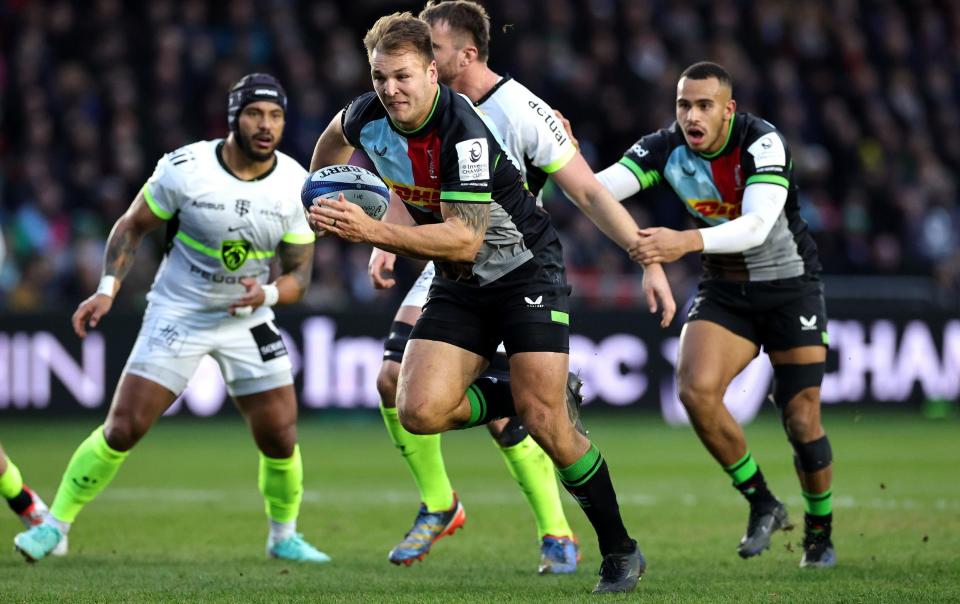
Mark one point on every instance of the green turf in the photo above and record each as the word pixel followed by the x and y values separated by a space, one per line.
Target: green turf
pixel 183 520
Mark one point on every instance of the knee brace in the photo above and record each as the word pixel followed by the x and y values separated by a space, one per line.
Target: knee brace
pixel 513 433
pixel 790 380
pixel 396 341
pixel 812 456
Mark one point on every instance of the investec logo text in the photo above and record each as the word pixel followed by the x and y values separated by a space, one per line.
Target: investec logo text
pixel 875 360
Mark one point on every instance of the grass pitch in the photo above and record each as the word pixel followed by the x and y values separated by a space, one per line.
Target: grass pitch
pixel 183 521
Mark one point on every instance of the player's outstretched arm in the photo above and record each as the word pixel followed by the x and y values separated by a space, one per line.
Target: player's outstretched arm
pixel 585 191
pixel 122 244
pixel 332 147
pixel 593 199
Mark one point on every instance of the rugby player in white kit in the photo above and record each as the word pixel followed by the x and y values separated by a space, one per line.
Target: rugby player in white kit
pixel 230 206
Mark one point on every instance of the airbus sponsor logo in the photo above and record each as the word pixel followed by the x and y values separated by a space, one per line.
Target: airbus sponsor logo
pixel 208 205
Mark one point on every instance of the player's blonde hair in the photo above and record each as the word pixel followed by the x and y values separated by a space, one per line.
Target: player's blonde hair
pixel 397 33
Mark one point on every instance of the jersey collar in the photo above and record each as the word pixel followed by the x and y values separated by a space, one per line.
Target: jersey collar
pixel 492 91
pixel 726 142
pixel 419 129
pixel 226 168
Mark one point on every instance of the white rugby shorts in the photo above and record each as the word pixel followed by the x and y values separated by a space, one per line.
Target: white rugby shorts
pixel 249 350
pixel 417 296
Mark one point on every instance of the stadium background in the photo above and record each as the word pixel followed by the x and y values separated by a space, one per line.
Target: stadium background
pixel 92 93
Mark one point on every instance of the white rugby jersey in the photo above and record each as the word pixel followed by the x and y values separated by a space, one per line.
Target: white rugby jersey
pixel 228 228
pixel 529 129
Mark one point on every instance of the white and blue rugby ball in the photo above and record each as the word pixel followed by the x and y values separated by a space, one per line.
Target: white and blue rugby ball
pixel 358 185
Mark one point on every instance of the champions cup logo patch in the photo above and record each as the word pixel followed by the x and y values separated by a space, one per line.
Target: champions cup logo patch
pixel 768 151
pixel 473 159
pixel 234 253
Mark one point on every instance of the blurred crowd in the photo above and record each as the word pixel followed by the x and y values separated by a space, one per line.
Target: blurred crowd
pixel 92 93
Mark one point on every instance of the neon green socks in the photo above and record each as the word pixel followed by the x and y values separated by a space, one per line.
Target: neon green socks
pixel 281 483
pixel 423 457
pixel 92 467
pixel 11 482
pixel 742 470
pixel 536 475
pixel 818 504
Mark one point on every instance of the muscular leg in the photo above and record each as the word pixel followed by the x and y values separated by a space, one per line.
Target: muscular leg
pixel 421 452
pixel 538 380
pixel 801 414
pixel 272 418
pixel 710 357
pixel 137 404
pixel 534 472
pixel 433 378
pixel 527 463
pixel 798 373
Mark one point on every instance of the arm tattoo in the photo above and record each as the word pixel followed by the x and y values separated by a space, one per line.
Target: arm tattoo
pixel 121 251
pixel 475 215
pixel 296 260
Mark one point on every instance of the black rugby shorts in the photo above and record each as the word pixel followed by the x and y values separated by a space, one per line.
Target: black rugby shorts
pixel 777 315
pixel 527 309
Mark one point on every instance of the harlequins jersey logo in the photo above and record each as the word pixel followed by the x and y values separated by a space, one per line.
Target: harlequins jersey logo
pixel 234 253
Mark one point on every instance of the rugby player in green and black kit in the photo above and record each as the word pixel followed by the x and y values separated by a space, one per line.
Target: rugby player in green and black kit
pixel 760 288
pixel 500 274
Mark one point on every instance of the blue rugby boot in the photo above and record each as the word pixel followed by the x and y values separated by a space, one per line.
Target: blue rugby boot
pixel 427 528
pixel 558 555
pixel 38 542
pixel 296 549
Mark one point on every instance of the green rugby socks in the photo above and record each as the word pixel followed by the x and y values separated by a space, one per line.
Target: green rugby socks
pixel 588 480
pixel 92 467
pixel 535 473
pixel 489 399
pixel 281 483
pixel 818 518
pixel 748 479
pixel 13 490
pixel 425 461
pixel 11 482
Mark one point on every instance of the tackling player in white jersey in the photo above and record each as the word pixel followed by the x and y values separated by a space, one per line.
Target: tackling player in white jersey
pixel 230 207
pixel 539 145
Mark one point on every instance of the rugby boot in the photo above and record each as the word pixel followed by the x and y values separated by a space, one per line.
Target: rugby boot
pixel 818 550
pixel 296 549
pixel 38 541
pixel 558 555
pixel 574 398
pixel 763 522
pixel 35 512
pixel 427 528
pixel 619 573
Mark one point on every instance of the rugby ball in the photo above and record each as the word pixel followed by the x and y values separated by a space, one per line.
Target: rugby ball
pixel 358 185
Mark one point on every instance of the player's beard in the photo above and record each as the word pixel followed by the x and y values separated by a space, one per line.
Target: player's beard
pixel 243 141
